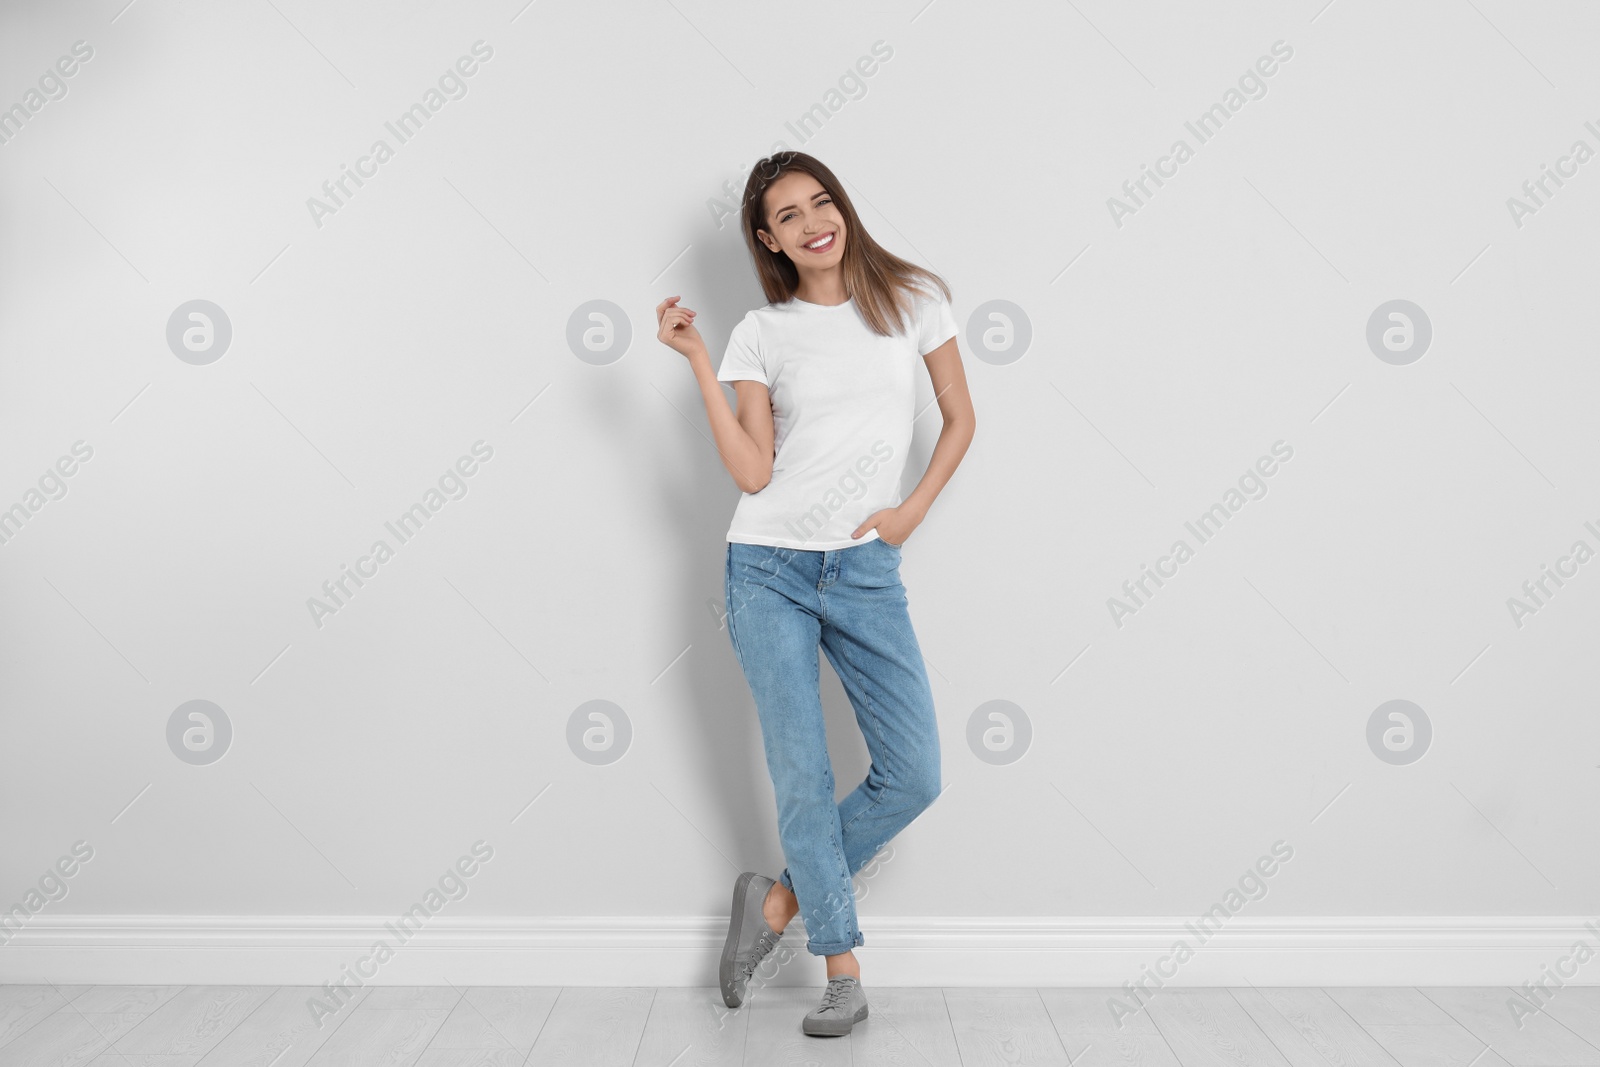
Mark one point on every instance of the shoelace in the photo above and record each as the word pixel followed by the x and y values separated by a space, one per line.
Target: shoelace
pixel 764 942
pixel 835 996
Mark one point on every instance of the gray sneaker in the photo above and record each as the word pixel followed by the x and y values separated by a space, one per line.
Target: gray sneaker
pixel 843 1005
pixel 750 938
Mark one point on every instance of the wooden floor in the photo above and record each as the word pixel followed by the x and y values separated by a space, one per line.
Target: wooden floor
pixel 491 1026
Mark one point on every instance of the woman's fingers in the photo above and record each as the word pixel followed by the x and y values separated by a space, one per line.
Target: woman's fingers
pixel 670 323
pixel 670 318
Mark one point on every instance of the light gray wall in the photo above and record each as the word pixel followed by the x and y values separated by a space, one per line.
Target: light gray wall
pixel 1168 351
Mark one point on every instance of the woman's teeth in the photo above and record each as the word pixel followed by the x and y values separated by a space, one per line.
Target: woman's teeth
pixel 822 244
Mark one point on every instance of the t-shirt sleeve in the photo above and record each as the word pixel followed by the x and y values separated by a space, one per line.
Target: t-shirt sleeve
pixel 742 360
pixel 936 322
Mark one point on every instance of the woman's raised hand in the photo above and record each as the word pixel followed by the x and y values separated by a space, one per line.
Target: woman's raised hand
pixel 675 328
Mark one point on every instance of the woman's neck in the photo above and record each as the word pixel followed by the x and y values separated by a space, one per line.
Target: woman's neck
pixel 822 287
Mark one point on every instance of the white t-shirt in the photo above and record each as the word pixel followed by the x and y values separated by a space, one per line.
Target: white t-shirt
pixel 842 402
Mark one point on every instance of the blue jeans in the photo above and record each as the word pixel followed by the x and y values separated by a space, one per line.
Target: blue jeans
pixel 781 604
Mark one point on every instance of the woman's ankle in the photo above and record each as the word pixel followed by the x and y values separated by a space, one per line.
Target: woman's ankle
pixel 844 963
pixel 777 907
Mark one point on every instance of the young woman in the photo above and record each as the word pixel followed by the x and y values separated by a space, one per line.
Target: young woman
pixel 825 380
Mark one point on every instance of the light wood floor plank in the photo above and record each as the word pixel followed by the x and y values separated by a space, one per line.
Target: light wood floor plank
pixel 23 1006
pixel 1578 1009
pixel 1310 1030
pixel 493 1026
pixel 1541 1041
pixel 774 1039
pixel 1434 1046
pixel 10 994
pixel 388 1038
pixel 404 997
pixel 68 1039
pixel 1088 1011
pixel 122 999
pixel 593 1026
pixel 905 1026
pixel 472 1057
pixel 1120 1050
pixel 1013 1029
pixel 498 1017
pixel 282 1032
pixel 1388 1006
pixel 195 1020
pixel 692 1027
pixel 1208 1028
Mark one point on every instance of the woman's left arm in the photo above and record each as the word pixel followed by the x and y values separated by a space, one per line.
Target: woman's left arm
pixel 955 404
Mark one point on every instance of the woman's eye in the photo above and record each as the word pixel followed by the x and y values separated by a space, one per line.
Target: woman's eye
pixel 824 200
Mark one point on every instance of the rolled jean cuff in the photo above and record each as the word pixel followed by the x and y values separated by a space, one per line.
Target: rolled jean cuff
pixel 834 948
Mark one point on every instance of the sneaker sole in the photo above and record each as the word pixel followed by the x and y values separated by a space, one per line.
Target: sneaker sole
pixel 821 1030
pixel 730 947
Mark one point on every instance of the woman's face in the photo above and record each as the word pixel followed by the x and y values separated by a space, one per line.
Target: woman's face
pixel 803 222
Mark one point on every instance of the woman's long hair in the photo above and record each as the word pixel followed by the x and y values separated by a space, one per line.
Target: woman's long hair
pixel 882 284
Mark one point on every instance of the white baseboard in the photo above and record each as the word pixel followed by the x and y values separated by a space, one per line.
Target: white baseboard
pixel 679 951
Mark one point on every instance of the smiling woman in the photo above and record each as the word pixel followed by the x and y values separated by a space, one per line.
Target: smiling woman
pixel 826 380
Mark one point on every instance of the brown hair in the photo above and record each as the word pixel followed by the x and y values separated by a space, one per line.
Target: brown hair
pixel 881 283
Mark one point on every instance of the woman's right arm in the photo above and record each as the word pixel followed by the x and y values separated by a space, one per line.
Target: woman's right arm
pixel 744 442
